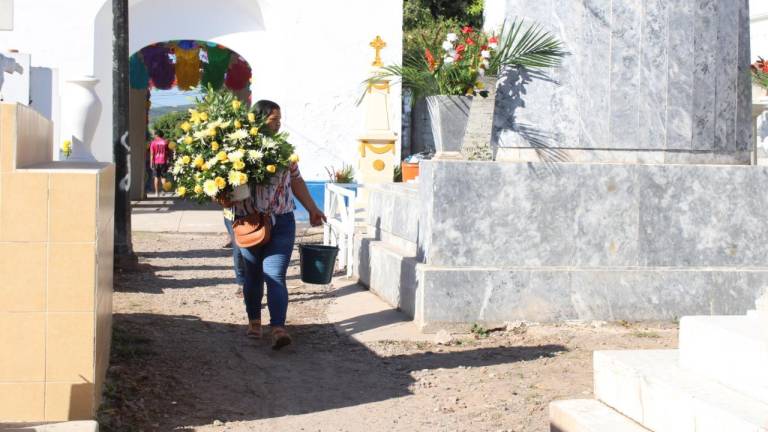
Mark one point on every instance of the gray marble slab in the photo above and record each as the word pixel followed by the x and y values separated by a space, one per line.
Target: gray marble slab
pixel 642 75
pixel 594 215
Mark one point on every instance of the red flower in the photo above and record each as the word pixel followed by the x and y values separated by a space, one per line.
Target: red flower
pixel 467 29
pixel 461 48
pixel 484 47
pixel 430 59
pixel 493 39
pixel 470 41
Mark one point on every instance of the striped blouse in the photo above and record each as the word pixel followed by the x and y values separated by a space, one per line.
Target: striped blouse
pixel 276 197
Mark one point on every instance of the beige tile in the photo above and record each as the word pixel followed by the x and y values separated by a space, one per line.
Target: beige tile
pixel 73 207
pixel 22 344
pixel 23 269
pixel 22 402
pixel 69 401
pixel 71 277
pixel 106 205
pixel 24 207
pixel 7 137
pixel 70 346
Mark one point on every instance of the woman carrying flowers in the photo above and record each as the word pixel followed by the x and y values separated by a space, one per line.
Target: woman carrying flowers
pixel 269 263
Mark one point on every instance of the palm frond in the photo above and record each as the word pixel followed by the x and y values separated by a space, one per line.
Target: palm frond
pixel 527 45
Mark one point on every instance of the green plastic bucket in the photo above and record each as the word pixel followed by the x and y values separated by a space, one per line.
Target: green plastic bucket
pixel 317 263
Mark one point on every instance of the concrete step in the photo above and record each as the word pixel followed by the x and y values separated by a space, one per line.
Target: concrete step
pixel 390 273
pixel 652 389
pixel 730 349
pixel 588 415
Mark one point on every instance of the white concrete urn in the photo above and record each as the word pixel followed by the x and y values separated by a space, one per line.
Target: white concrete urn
pixel 81 109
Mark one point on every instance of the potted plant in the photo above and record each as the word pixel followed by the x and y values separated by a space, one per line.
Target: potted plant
pixel 343 177
pixel 455 65
pixel 760 74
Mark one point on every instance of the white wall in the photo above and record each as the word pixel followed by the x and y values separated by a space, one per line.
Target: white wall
pixel 60 35
pixel 309 56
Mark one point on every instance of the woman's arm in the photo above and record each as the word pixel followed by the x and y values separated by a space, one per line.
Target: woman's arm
pixel 300 191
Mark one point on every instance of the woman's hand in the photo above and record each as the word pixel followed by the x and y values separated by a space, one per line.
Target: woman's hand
pixel 316 217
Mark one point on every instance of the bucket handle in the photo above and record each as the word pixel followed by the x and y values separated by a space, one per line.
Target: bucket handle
pixel 306 230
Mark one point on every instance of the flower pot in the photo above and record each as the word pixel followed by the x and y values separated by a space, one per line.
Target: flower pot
pixel 448 119
pixel 410 171
pixel 240 193
pixel 82 108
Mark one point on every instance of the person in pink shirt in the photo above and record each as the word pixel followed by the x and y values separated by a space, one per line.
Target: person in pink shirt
pixel 158 158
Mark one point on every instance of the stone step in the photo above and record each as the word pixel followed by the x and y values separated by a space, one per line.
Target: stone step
pixel 730 349
pixel 390 273
pixel 588 415
pixel 652 389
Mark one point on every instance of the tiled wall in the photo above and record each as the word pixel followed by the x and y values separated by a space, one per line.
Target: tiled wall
pixel 55 275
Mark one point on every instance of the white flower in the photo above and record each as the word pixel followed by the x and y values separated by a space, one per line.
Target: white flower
pixel 485 54
pixel 238 135
pixel 201 135
pixel 255 155
pixel 269 143
pixel 210 188
pixel 481 72
pixel 176 169
pixel 451 37
pixel 486 64
pixel 448 60
pixel 236 155
pixel 447 46
pixel 493 46
pixel 212 162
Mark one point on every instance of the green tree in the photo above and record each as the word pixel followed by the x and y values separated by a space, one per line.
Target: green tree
pixel 169 124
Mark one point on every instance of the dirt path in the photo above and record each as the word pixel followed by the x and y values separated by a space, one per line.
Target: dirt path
pixel 180 360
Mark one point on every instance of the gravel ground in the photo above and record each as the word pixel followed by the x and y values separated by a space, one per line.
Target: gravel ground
pixel 181 361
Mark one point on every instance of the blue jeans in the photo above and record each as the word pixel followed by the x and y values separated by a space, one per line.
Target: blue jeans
pixel 269 263
pixel 236 256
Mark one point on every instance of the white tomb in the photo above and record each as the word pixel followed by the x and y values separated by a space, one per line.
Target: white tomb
pixel 716 381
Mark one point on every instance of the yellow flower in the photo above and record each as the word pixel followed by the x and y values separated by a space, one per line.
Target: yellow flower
pixel 185 126
pixel 479 85
pixel 293 158
pixel 172 146
pixel 222 156
pixel 220 182
pixel 187 140
pixel 238 165
pixel 167 186
pixel 235 178
pixel 212 132
pixel 186 159
pixel 214 145
pixel 181 191
pixel 243 178
pixel 204 116
pixel 198 189
pixel 205 167
pixel 194 116
pixel 66 148
pixel 254 131
pixel 251 117
pixel 210 188
pixel 271 169
pixel 238 125
pixel 198 162
pixel 236 104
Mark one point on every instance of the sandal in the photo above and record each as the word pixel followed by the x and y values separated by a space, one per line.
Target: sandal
pixel 280 338
pixel 254 329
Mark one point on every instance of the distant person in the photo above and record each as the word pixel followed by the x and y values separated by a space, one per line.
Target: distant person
pixel 158 158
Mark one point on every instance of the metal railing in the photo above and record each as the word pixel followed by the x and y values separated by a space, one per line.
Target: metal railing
pixel 339 209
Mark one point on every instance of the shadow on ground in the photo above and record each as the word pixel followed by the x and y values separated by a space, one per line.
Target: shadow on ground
pixel 180 371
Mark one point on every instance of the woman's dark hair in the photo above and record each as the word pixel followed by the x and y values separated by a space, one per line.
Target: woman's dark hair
pixel 160 133
pixel 263 109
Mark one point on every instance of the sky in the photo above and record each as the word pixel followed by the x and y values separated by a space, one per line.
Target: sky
pixel 172 97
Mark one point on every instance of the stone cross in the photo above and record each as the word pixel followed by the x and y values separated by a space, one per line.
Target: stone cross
pixel 378 44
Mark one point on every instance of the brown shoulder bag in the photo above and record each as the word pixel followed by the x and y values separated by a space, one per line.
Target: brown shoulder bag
pixel 253 229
